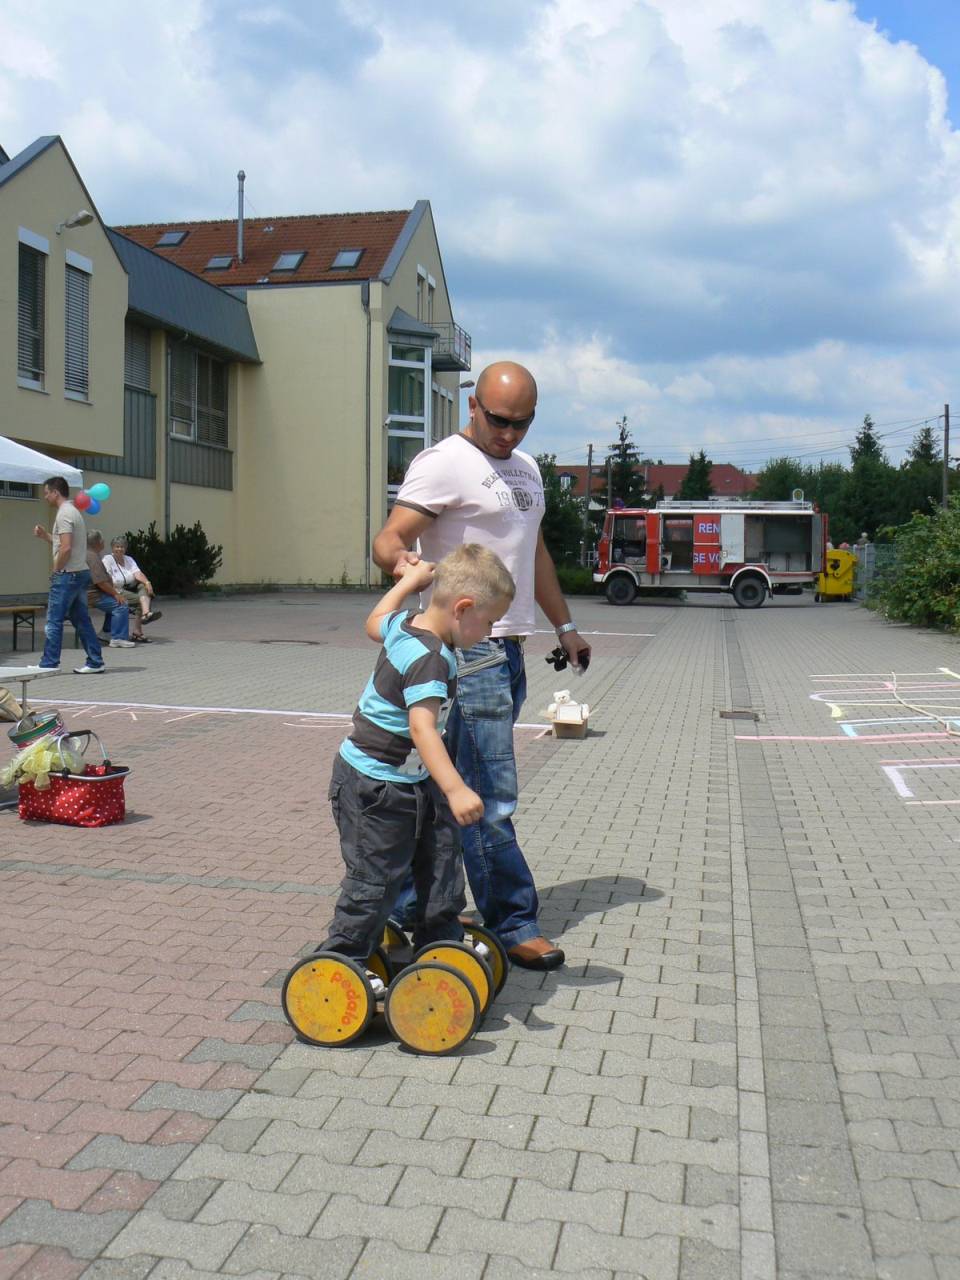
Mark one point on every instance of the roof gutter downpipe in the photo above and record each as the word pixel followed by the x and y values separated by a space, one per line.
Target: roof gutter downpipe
pixel 241 178
pixel 368 456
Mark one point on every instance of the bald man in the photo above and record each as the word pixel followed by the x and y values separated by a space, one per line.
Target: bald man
pixel 480 487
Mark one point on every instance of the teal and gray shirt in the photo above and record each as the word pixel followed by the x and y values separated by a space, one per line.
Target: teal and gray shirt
pixel 414 666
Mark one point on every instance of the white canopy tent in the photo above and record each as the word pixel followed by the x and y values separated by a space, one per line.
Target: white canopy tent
pixel 27 466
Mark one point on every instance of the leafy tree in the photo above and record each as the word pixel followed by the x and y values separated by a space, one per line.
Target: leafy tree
pixel 923 584
pixel 563 513
pixel 696 483
pixel 866 445
pixel 624 460
pixel 924 449
pixel 778 479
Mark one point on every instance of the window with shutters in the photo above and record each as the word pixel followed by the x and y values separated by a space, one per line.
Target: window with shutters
pixel 76 377
pixel 136 356
pixel 198 396
pixel 30 313
pixel 15 489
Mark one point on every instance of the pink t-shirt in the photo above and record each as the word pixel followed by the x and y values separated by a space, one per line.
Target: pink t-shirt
pixel 497 502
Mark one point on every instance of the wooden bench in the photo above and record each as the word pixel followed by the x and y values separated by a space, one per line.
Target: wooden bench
pixel 23 614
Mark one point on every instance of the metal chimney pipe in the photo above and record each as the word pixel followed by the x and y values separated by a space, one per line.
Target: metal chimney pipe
pixel 241 178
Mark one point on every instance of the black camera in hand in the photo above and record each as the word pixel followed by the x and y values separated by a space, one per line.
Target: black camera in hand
pixel 559 660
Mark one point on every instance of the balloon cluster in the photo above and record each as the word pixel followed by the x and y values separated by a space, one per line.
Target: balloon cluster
pixel 90 500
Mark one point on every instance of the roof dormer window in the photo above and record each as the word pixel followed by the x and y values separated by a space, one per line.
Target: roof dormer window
pixel 346 259
pixel 289 261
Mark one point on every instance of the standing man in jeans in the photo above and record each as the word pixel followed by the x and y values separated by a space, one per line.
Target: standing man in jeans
pixel 479 487
pixel 69 582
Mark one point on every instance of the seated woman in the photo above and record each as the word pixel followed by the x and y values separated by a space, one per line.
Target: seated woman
pixel 134 586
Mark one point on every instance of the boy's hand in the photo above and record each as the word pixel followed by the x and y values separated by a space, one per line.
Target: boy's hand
pixel 465 805
pixel 417 576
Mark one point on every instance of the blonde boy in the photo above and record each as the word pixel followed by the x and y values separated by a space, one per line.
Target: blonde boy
pixel 397 798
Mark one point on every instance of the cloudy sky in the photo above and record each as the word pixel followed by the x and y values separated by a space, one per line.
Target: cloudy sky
pixel 736 221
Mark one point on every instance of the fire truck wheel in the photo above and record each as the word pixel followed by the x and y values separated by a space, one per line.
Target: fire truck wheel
pixel 621 589
pixel 750 592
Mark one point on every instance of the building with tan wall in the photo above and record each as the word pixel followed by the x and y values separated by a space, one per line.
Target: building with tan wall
pixel 269 378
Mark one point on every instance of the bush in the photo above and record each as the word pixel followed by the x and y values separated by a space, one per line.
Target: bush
pixel 922 584
pixel 177 565
pixel 575 581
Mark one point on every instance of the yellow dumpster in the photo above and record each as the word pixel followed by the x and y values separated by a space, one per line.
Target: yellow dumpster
pixel 836 583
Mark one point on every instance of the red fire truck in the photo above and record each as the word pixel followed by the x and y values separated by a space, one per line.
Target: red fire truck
pixel 747 548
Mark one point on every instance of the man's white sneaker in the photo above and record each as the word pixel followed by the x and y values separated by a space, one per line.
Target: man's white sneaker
pixel 35 666
pixel 122 644
pixel 87 670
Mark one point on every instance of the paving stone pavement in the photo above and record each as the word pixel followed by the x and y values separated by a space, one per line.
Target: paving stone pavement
pixel 748 1066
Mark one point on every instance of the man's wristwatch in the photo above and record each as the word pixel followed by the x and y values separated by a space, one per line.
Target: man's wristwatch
pixel 564 627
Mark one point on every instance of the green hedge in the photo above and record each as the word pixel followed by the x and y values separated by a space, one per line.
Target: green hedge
pixel 922 584
pixel 575 581
pixel 178 565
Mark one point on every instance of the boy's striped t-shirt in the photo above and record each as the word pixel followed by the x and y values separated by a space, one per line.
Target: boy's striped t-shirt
pixel 413 666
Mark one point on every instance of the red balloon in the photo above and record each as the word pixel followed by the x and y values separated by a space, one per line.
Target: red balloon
pixel 82 501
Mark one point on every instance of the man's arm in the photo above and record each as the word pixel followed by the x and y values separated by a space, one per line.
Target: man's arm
pixel 63 553
pixel 391 546
pixel 546 590
pixel 412 577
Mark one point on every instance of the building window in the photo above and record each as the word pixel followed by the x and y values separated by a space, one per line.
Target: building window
pixel 76 376
pixel 198 397
pixel 289 261
pixel 345 259
pixel 431 290
pixel 14 489
pixel 30 311
pixel 410 410
pixel 421 293
pixel 136 356
pixel 219 262
pixel 170 238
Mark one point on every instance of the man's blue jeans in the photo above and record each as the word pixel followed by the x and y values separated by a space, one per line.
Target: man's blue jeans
pixel 118 614
pixel 67 602
pixel 479 738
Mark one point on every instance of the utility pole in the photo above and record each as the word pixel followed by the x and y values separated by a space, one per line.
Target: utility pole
pixel 946 455
pixel 586 506
pixel 609 483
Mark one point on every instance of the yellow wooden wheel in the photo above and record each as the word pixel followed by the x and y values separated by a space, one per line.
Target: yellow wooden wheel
pixel 461 956
pixel 328 999
pixel 380 964
pixel 498 960
pixel 393 936
pixel 432 1008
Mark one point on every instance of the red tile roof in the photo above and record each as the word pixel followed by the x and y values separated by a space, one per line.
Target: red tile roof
pixel 727 480
pixel 319 236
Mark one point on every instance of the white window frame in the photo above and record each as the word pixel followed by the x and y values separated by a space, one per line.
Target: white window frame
pixel 411 426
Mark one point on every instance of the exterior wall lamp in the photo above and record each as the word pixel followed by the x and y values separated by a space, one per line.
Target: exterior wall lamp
pixel 79 219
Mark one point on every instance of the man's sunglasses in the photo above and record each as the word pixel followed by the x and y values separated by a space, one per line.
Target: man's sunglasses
pixel 500 423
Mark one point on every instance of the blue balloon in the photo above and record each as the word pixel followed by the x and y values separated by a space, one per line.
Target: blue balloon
pixel 94 506
pixel 100 491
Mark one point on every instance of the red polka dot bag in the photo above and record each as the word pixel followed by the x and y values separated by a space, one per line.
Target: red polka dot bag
pixel 93 798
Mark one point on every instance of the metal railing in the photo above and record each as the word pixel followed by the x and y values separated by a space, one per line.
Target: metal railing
pixel 452 345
